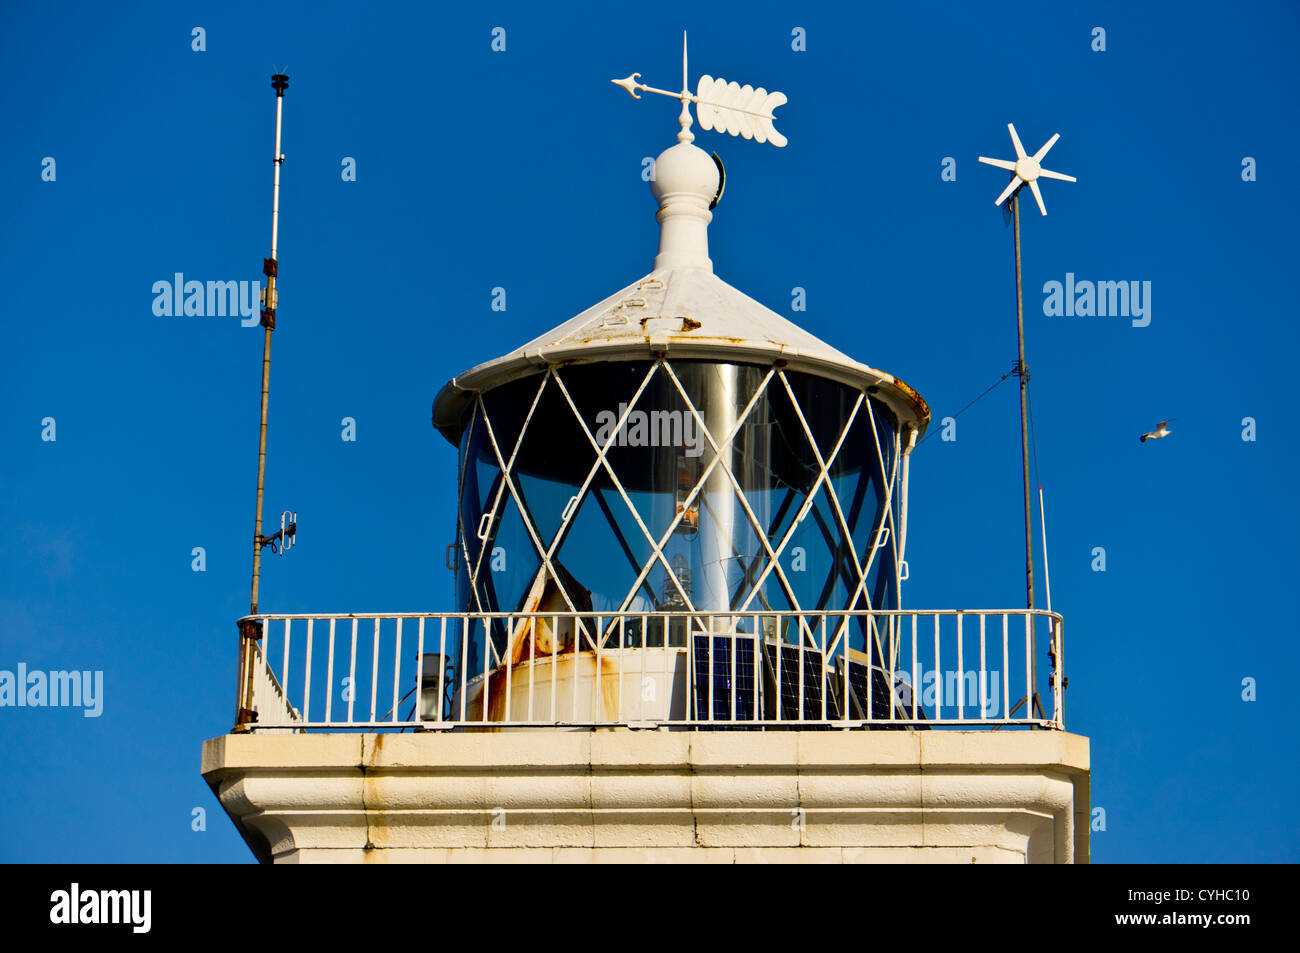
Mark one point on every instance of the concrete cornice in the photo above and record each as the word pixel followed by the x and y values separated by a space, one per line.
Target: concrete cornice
pixel 555 795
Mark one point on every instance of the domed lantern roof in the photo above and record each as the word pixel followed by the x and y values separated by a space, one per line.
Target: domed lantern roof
pixel 681 308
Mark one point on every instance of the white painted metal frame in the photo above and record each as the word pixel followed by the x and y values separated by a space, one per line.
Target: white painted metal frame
pixel 885 533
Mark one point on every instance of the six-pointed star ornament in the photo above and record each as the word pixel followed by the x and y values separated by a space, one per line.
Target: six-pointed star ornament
pixel 1027 169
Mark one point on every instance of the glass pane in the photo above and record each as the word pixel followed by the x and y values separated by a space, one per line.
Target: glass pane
pixel 717 546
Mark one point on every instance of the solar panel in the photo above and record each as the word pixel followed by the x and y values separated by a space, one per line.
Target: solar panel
pixel 877 684
pixel 781 696
pixel 714 669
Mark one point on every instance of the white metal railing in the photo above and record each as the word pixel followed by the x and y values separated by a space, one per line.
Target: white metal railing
pixel 439 671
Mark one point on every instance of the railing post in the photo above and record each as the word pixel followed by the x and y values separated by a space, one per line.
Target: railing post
pixel 250 630
pixel 1058 676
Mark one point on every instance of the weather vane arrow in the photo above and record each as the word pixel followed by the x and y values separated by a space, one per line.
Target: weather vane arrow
pixel 725 107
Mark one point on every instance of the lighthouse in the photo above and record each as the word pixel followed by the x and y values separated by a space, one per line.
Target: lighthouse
pixel 679 631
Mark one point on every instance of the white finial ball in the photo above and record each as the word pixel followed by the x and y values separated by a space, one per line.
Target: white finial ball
pixel 685 168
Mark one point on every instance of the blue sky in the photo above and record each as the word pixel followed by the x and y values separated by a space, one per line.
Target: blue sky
pixel 522 169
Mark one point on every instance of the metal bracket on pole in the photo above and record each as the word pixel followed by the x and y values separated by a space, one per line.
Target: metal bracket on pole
pixel 282 541
pixel 250 630
pixel 270 296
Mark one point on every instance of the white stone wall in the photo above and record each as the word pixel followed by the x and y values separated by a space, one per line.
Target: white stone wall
pixel 658 796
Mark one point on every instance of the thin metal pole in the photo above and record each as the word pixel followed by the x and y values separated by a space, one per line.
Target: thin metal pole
pixel 1023 373
pixel 279 83
pixel 261 469
pixel 1047 574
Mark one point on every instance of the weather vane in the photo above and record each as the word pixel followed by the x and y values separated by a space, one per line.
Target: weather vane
pixel 725 107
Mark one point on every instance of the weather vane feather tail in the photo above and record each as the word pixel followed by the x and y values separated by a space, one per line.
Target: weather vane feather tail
pixel 720 106
pixel 738 110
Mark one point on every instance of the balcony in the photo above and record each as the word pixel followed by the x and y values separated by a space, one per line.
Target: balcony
pixel 661 737
pixel 970 669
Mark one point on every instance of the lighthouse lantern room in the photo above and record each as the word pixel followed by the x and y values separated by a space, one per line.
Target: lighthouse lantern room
pixel 674 464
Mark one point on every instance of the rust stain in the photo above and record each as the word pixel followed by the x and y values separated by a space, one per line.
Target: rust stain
pixel 688 324
pixel 544 642
pixel 371 799
pixel 537 642
pixel 917 400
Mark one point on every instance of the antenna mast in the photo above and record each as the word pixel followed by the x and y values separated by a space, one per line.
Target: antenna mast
pixel 1026 170
pixel 1022 372
pixel 270 267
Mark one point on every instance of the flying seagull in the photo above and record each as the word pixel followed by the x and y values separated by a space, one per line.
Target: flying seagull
pixel 1161 431
pixel 1026 169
